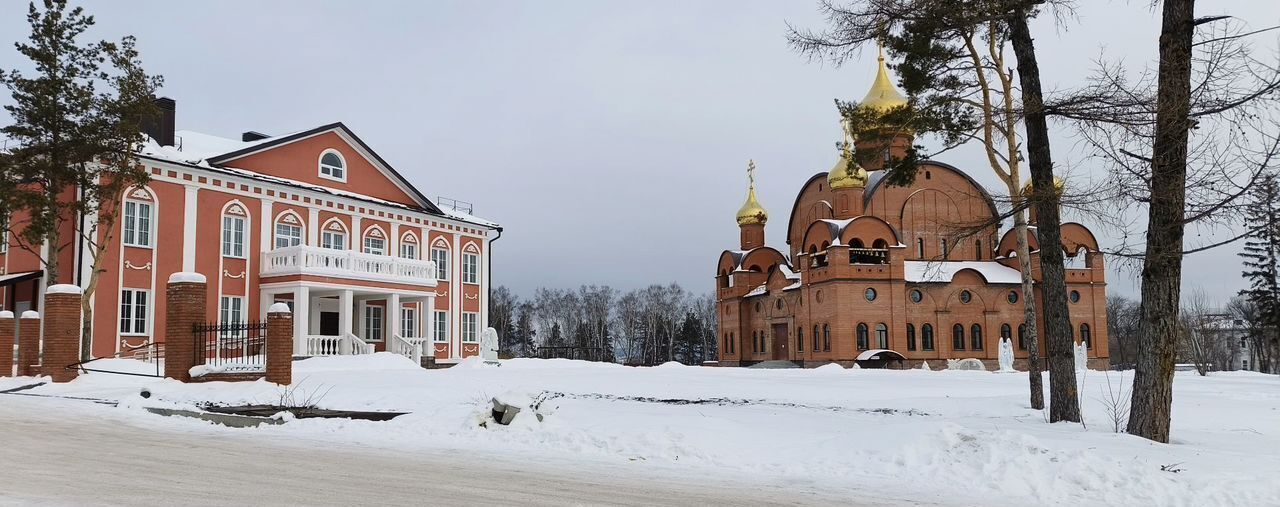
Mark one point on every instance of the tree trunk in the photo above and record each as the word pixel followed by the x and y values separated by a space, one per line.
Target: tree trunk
pixel 1064 403
pixel 1029 304
pixel 1162 269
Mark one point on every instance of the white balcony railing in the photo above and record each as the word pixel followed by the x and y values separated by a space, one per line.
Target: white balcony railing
pixel 344 345
pixel 310 260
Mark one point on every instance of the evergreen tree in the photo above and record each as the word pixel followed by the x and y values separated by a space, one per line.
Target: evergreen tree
pixel 1262 256
pixel 76 123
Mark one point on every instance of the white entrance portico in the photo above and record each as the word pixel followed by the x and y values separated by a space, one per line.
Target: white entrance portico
pixel 331 319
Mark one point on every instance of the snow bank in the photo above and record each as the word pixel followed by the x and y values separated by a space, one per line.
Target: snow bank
pixel 63 288
pixel 950 438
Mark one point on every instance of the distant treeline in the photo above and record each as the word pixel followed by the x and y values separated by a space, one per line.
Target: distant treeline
pixel 652 325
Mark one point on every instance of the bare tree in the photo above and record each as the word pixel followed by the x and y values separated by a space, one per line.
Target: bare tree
pixel 1207 82
pixel 1201 341
pixel 1123 315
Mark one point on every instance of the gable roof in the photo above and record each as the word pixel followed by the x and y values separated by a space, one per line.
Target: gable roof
pixel 346 134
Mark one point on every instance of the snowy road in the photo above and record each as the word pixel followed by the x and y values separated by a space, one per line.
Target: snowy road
pixel 61 452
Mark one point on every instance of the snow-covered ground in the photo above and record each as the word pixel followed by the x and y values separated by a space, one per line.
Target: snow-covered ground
pixel 944 437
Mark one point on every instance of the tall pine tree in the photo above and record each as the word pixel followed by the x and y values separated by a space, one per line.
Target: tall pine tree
pixel 1262 257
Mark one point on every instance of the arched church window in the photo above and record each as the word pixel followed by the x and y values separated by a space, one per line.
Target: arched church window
pixel 926 337
pixel 1085 337
pixel 862 336
pixel 975 337
pixel 911 337
pixel 957 337
pixel 882 336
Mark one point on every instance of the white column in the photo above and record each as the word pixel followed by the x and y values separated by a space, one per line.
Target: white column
pixel 313 226
pixel 189 211
pixel 393 314
pixel 267 229
pixel 301 319
pixel 429 310
pixel 393 243
pixel 357 234
pixel 344 312
pixel 456 299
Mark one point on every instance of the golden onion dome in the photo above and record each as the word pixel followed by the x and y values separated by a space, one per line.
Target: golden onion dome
pixel 846 174
pixel 883 95
pixel 751 212
pixel 1058 184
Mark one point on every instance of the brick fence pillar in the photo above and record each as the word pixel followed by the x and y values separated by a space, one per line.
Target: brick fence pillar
pixel 29 344
pixel 280 344
pixel 184 308
pixel 61 335
pixel 8 328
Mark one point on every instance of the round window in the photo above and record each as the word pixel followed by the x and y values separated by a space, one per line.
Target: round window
pixel 965 297
pixel 1013 296
pixel 870 294
pixel 916 296
pixel 1075 296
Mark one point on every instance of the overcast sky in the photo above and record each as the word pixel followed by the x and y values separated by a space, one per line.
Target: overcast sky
pixel 609 138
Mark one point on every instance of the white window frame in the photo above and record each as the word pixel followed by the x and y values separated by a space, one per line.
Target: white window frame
pixel 321 167
pixel 470 268
pixel 380 249
pixel 327 240
pixel 231 310
pixel 440 256
pixel 290 239
pixel 408 246
pixel 442 326
pixel 408 322
pixel 131 231
pixel 369 311
pixel 232 239
pixel 470 320
pixel 134 316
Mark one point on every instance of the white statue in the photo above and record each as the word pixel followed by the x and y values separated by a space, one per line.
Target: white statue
pixel 1082 357
pixel 489 345
pixel 1006 355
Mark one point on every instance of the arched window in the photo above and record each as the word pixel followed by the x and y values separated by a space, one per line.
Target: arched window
pixel 911 337
pixel 332 166
pixel 975 337
pixel 862 336
pixel 289 230
pixel 799 339
pixel 408 246
pixel 733 344
pixel 945 253
pixel 374 242
pixel 1022 336
pixel 815 337
pixel 882 336
pixel 440 256
pixel 136 226
pixel 977 248
pixel 334 235
pixel 234 220
pixel 471 264
pixel 926 337
pixel 1085 337
pixel 1006 332
pixel 826 338
pixel 755 342
pixel 957 337
pixel 920 248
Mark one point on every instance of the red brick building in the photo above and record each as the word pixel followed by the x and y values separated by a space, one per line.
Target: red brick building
pixel 315 219
pixel 878 275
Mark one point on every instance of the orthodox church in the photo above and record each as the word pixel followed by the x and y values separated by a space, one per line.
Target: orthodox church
pixel 878 275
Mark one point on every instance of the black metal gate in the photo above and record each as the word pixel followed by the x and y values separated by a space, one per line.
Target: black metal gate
pixel 231 347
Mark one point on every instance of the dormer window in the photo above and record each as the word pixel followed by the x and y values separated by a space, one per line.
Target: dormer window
pixel 332 166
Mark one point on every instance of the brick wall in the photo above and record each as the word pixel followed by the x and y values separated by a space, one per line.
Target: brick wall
pixel 61 336
pixel 8 328
pixel 184 307
pixel 280 345
pixel 29 344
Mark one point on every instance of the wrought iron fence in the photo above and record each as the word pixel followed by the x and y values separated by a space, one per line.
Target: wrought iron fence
pixel 232 347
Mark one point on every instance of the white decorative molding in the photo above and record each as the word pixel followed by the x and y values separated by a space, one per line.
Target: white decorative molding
pixel 289 217
pixel 375 232
pixel 131 265
pixel 335 225
pixel 139 193
pixel 229 275
pixel 442 294
pixel 471 297
pixel 235 209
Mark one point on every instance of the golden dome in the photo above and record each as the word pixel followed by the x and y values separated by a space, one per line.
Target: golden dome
pixel 1058 183
pixel 846 175
pixel 751 212
pixel 883 95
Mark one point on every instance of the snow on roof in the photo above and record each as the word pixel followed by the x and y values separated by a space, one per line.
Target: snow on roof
pixel 63 288
pixel 944 271
pixel 871 354
pixel 196 148
pixel 789 273
pixel 760 290
pixel 793 286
